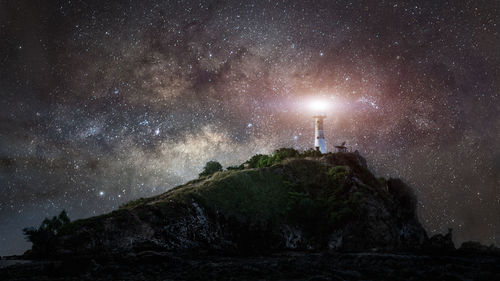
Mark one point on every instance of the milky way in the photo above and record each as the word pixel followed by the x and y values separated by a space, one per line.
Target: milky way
pixel 103 102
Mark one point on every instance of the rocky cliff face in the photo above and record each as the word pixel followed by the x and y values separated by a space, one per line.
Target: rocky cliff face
pixel 329 203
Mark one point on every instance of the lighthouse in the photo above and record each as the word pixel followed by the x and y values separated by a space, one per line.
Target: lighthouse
pixel 318 108
pixel 319 135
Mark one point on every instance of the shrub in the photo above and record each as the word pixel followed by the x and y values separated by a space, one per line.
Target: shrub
pixel 265 161
pixel 210 168
pixel 338 175
pixel 311 153
pixel 261 160
pixel 283 153
pixel 235 168
pixel 44 238
pixel 254 161
pixel 342 208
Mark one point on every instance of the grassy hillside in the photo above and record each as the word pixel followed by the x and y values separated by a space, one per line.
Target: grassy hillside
pixel 293 191
pixel 304 194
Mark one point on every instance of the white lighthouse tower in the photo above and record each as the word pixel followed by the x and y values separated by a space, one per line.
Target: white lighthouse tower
pixel 319 135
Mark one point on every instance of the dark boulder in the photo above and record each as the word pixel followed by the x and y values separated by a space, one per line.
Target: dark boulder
pixel 440 244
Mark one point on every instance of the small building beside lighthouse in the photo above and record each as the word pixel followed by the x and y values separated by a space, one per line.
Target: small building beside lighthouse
pixel 341 148
pixel 319 135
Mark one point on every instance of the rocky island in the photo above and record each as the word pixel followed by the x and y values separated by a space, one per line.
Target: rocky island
pixel 285 216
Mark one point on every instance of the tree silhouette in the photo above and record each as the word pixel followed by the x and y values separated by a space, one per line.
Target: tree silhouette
pixel 210 168
pixel 44 238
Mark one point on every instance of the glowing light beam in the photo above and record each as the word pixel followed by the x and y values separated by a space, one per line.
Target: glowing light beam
pixel 318 105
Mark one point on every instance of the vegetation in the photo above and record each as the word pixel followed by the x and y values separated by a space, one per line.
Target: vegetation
pixel 283 188
pixel 210 168
pixel 338 174
pixel 44 238
pixel 253 162
pixel 233 168
pixel 305 193
pixel 322 201
pixel 262 160
pixel 311 153
pixel 253 197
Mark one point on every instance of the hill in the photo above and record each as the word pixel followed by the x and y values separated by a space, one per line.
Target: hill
pixel 330 202
pixel 283 216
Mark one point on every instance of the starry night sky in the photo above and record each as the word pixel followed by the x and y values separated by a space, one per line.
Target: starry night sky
pixel 103 102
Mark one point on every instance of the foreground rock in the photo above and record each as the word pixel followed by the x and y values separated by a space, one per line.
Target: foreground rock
pixel 328 203
pixel 150 265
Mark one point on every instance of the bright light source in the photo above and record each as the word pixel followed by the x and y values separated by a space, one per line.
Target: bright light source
pixel 318 105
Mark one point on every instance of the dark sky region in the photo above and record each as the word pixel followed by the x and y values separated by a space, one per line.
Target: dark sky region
pixel 102 102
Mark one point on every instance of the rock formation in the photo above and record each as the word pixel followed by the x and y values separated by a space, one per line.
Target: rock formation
pixel 329 203
pixel 299 218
